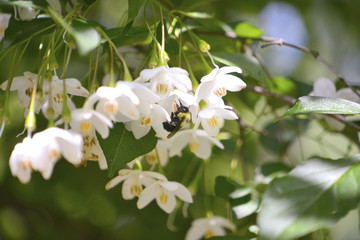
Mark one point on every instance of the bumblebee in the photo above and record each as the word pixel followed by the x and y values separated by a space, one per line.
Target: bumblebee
pixel 180 118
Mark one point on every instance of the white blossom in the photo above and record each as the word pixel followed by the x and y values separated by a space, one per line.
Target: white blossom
pixel 216 84
pixel 134 180
pixel 209 227
pixel 163 80
pixel 86 121
pixel 4 23
pixel 164 192
pixel 92 150
pixel 52 92
pixel 198 140
pixel 212 118
pixel 41 152
pixel 20 160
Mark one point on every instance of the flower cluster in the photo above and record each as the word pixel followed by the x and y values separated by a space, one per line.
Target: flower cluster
pixel 161 98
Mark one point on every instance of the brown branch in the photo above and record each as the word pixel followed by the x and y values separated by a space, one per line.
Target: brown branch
pixel 315 54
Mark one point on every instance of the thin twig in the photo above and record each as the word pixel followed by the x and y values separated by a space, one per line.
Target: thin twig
pixel 315 54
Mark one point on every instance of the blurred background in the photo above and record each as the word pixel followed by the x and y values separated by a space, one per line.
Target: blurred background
pixel 74 203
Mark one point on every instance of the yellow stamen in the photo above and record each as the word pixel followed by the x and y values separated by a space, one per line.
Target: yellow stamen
pixel 110 108
pixel 151 157
pixel 220 92
pixel 194 146
pixel 28 92
pixel 54 153
pixel 209 234
pixel 145 121
pixel 85 126
pixel 136 190
pixel 162 88
pixel 163 198
pixel 212 122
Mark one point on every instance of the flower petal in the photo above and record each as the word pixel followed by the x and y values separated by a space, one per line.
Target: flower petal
pixel 166 201
pixel 115 181
pixel 147 195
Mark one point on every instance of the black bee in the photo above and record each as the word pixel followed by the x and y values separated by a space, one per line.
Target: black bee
pixel 179 119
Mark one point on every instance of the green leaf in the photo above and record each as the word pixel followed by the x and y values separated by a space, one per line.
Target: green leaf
pixel 314 195
pixel 323 105
pixel 133 10
pixel 246 30
pixel 248 64
pixel 224 186
pixel 86 36
pixel 246 209
pixel 19 31
pixel 122 147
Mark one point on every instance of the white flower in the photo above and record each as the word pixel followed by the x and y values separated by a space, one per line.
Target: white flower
pixel 41 152
pixel 153 119
pixel 4 23
pixel 86 121
pixel 164 192
pixel 163 79
pixel 119 100
pixel 214 85
pixel 20 160
pixel 134 180
pixel 92 150
pixel 199 141
pixel 209 227
pixel 52 92
pixel 53 143
pixel 324 87
pixel 161 153
pixel 24 85
pixel 212 118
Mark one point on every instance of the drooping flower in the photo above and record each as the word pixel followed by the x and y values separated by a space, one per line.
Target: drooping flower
pixel 4 23
pixel 92 150
pixel 199 141
pixel 24 85
pixel 52 91
pixel 153 119
pixel 212 118
pixel 164 192
pixel 163 80
pixel 134 180
pixel 20 160
pixel 86 121
pixel 209 227
pixel 215 85
pixel 160 153
pixel 41 152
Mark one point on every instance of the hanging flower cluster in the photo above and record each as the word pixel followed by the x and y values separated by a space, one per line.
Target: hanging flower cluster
pixel 161 98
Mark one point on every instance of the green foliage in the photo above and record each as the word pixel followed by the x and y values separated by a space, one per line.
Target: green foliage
pixel 323 105
pixel 121 147
pixel 246 30
pixel 241 197
pixel 314 195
